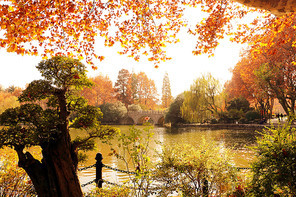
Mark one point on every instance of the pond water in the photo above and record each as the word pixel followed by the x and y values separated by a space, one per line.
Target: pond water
pixel 238 140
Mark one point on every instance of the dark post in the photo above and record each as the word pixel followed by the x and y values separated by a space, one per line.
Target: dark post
pixel 99 166
pixel 205 188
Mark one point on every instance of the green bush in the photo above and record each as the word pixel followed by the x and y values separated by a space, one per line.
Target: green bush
pixel 239 104
pixel 174 115
pixel 275 167
pixel 109 192
pixel 113 112
pixel 235 114
pixel 214 121
pixel 252 115
pixel 134 107
pixel 196 171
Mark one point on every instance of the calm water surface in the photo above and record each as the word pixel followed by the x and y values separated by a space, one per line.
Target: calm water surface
pixel 239 140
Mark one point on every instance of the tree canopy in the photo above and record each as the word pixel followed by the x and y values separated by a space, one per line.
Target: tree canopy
pixel 203 100
pixel 71 28
pixel 101 92
pixel 267 71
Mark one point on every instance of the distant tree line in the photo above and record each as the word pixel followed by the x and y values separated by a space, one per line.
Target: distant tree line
pixel 131 91
pixel 208 102
pixel 8 97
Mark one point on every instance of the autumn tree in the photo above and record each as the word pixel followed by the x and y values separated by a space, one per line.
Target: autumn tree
pixel 166 97
pixel 31 125
pixel 100 92
pixel 122 87
pixel 244 84
pixel 202 100
pixel 268 71
pixel 7 100
pixel 276 73
pixel 142 28
pixel 147 92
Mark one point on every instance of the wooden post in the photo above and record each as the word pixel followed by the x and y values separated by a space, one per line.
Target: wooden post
pixel 99 166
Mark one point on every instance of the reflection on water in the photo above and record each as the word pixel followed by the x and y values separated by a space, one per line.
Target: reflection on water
pixel 238 140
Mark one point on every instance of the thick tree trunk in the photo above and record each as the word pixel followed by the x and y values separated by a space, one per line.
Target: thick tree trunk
pixel 55 175
pixel 61 170
pixel 36 171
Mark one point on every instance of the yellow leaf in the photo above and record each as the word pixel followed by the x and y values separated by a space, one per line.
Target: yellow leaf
pixel 11 9
pixel 12 48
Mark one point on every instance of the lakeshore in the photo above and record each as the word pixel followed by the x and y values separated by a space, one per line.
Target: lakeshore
pixel 253 126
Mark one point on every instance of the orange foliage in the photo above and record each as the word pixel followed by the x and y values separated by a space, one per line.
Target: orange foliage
pixel 71 28
pixel 101 92
pixel 267 69
pixel 146 91
pixel 55 27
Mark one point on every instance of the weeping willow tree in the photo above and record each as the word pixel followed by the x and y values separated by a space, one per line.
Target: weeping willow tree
pixel 203 100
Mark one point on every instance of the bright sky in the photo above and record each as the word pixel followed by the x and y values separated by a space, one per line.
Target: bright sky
pixel 183 69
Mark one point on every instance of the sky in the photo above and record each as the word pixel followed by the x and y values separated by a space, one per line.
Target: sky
pixel 183 69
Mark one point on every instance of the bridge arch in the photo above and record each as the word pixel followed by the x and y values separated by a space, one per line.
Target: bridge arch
pixel 154 117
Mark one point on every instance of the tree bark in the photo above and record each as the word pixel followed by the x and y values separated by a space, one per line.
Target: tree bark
pixel 36 172
pixel 55 175
pixel 62 176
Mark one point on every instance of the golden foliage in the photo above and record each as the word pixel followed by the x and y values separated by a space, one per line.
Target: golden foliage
pixel 71 28
pixel 13 180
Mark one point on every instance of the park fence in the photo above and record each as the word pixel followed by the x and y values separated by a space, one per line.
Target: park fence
pixel 99 178
pixel 99 166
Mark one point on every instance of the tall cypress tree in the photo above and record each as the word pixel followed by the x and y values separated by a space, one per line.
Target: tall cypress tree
pixel 166 91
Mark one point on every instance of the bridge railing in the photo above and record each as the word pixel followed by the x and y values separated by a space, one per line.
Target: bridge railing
pixel 147 112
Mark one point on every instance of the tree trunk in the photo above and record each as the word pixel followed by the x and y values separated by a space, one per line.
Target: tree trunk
pixel 61 170
pixel 55 175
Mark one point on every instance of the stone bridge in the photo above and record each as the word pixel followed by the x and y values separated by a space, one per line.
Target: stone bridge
pixel 154 117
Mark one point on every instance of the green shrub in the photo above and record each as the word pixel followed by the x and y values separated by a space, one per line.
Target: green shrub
pixel 134 107
pixel 174 115
pixel 252 115
pixel 196 171
pixel 113 112
pixel 109 192
pixel 214 121
pixel 275 167
pixel 133 149
pixel 235 114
